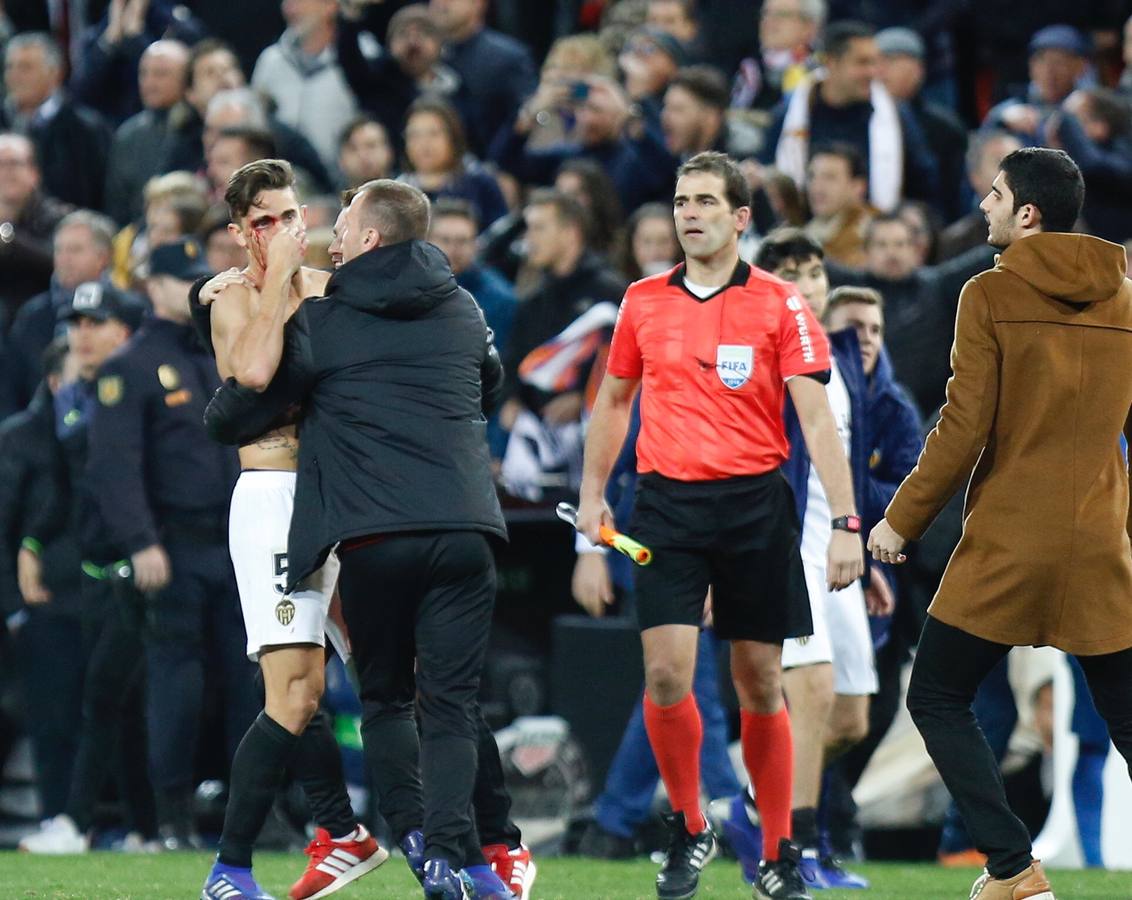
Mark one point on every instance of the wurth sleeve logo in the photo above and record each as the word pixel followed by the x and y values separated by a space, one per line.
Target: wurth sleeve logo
pixel 802 324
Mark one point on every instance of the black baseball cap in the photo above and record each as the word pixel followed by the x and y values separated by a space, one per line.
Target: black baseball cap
pixel 183 259
pixel 100 300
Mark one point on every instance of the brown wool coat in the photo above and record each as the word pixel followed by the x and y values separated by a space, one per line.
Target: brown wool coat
pixel 1041 391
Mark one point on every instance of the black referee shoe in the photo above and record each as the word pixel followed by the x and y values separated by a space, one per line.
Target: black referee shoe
pixel 782 879
pixel 687 854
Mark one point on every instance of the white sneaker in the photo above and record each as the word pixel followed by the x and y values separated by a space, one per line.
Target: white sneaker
pixel 133 842
pixel 56 836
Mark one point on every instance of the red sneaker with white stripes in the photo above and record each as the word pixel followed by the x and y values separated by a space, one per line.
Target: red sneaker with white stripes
pixel 334 864
pixel 515 867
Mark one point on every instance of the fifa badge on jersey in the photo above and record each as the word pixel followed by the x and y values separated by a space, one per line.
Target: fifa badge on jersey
pixel 109 389
pixel 284 611
pixel 734 364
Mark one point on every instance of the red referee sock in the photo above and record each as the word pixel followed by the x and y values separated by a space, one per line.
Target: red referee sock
pixel 768 752
pixel 676 734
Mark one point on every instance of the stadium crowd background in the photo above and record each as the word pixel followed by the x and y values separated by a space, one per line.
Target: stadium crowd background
pixel 549 135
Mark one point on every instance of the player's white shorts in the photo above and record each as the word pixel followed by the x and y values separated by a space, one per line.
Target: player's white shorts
pixel 258 522
pixel 841 635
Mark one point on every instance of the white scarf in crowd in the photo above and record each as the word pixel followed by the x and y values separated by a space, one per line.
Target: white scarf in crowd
pixel 886 143
pixel 540 455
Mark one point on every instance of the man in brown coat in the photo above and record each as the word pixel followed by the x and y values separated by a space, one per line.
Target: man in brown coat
pixel 1041 391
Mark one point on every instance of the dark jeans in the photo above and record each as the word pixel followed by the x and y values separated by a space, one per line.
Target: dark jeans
pixel 49 650
pixel 194 633
pixel 112 736
pixel 418 609
pixel 997 714
pixel 950 665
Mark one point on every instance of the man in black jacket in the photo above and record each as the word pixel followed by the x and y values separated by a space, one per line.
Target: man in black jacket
pixel 37 105
pixel 394 465
pixel 82 249
pixel 496 70
pixel 919 304
pixel 402 366
pixel 28 217
pixel 237 416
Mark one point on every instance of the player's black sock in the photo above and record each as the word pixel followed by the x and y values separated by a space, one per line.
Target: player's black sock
pixel 804 826
pixel 257 771
pixel 317 763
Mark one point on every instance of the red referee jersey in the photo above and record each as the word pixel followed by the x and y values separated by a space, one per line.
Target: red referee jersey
pixel 713 371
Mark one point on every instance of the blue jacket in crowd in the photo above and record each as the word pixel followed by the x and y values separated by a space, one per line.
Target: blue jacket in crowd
pixel 895 440
pixel 497 299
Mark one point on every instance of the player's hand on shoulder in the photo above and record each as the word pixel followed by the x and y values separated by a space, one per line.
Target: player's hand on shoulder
pixel 314 282
pixel 218 284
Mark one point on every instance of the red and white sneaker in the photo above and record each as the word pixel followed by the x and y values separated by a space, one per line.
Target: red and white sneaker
pixel 514 867
pixel 334 864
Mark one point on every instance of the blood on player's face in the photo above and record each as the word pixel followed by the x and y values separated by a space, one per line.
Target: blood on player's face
pixel 272 210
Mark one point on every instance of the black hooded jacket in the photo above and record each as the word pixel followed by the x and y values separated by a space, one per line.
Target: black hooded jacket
pixel 239 415
pixel 394 436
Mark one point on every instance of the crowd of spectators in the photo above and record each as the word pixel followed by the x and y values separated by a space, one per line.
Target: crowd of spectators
pixel 549 145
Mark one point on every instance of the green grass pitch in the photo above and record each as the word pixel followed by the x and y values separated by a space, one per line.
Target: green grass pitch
pixel 112 876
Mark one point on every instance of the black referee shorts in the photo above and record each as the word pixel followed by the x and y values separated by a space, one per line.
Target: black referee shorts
pixel 739 535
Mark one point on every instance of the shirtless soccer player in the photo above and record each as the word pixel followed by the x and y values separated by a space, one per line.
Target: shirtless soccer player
pixel 285 632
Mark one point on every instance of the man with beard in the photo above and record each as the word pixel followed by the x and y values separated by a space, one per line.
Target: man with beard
pixel 1041 393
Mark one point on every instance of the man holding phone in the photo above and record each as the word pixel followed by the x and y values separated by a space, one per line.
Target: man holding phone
pixel 608 128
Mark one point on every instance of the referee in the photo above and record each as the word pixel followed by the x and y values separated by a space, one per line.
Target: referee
pixel 713 342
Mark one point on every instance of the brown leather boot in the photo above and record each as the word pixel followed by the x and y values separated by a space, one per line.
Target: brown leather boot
pixel 1029 884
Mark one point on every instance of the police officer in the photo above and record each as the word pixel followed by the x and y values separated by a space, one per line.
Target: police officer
pixel 98 319
pixel 162 489
pixel 39 587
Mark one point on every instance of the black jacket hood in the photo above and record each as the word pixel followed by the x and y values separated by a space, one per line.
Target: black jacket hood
pixel 401 281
